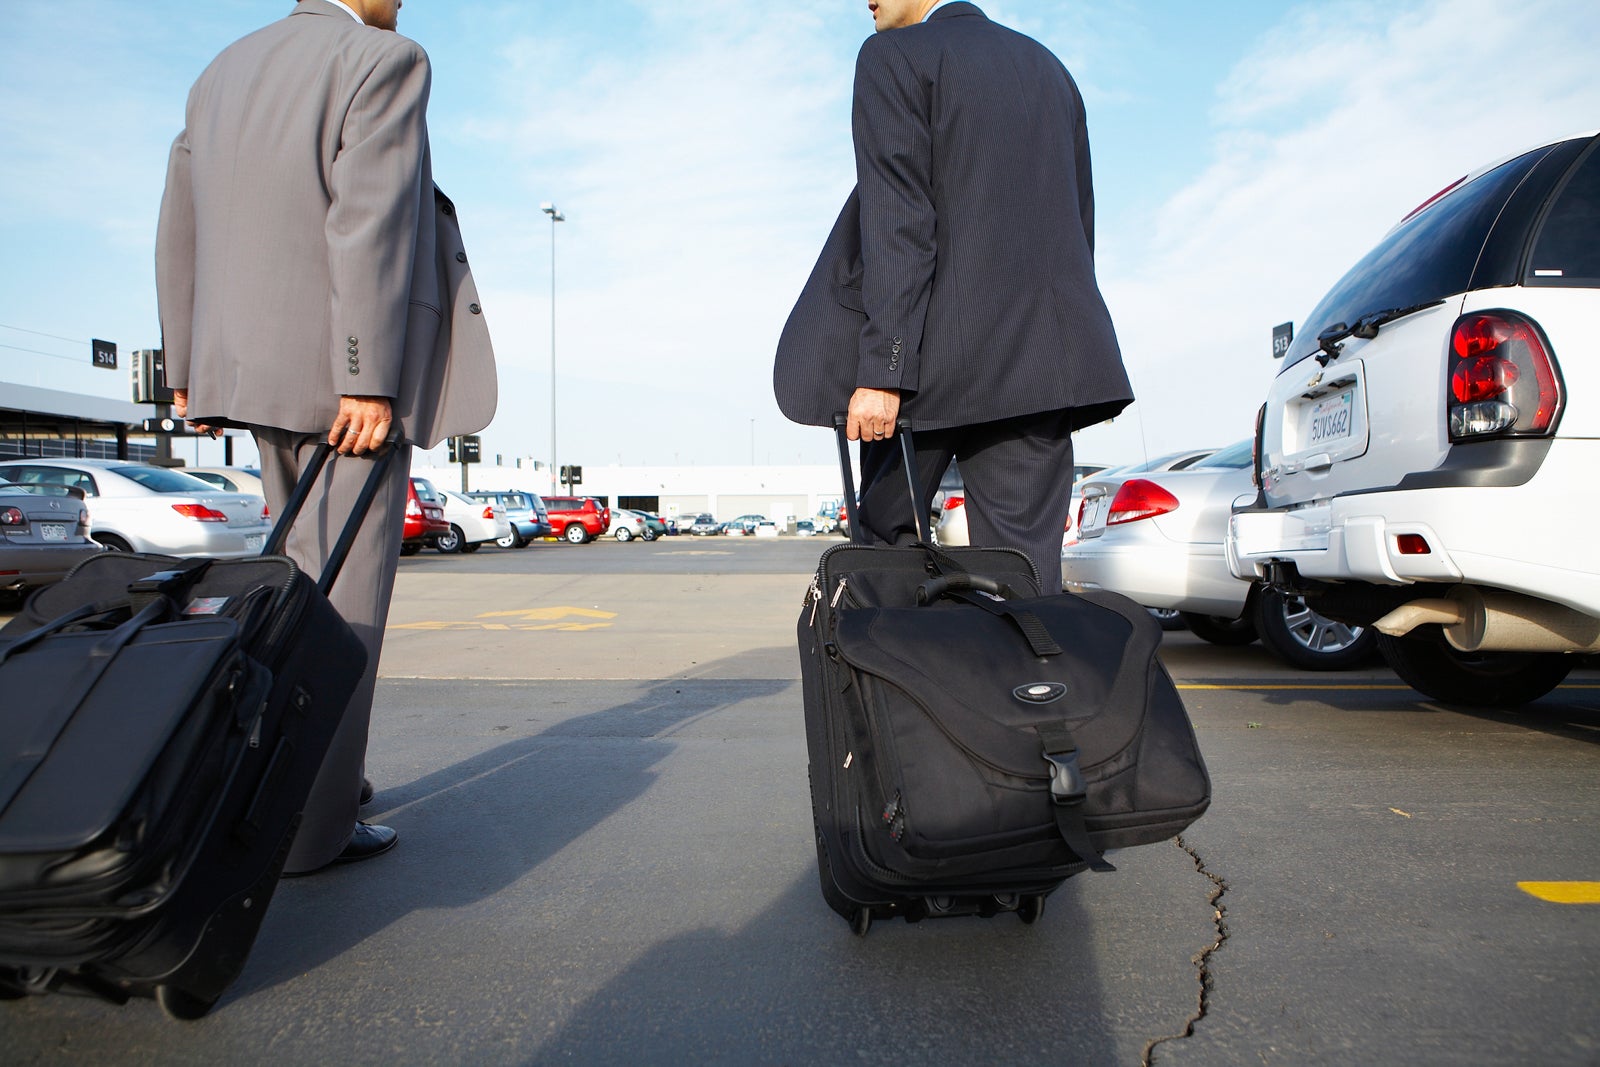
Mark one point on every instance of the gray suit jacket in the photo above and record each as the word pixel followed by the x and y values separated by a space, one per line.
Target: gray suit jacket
pixel 961 271
pixel 303 252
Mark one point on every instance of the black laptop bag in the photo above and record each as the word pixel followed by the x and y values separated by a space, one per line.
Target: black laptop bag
pixel 973 744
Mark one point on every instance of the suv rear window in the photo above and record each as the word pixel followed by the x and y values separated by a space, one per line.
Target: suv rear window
pixel 1567 251
pixel 1426 258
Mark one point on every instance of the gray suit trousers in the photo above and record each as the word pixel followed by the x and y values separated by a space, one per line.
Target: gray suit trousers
pixel 361 596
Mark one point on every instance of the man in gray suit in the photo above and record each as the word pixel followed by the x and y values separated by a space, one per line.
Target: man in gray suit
pixel 957 288
pixel 312 286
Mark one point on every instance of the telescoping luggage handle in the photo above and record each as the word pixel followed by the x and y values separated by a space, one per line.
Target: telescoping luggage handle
pixel 903 430
pixel 352 525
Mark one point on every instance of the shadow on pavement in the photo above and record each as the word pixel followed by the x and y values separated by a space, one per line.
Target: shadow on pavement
pixel 962 990
pixel 473 828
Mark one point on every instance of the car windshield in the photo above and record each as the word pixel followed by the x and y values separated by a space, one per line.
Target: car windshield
pixel 163 480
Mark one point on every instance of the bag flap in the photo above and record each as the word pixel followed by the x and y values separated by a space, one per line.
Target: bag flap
pixel 966 669
pixel 112 739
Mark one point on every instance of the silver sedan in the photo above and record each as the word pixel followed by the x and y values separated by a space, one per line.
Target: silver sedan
pixel 135 507
pixel 44 533
pixel 1158 538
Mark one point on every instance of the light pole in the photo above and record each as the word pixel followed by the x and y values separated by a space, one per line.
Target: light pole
pixel 555 217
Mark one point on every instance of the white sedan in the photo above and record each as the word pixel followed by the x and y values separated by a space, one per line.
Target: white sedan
pixel 472 522
pixel 1158 538
pixel 135 507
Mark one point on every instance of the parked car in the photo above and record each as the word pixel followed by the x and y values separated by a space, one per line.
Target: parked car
pixel 1182 459
pixel 626 525
pixel 578 519
pixel 950 504
pixel 230 479
pixel 524 511
pixel 704 526
pixel 654 525
pixel 766 528
pixel 424 520
pixel 135 507
pixel 472 523
pixel 743 525
pixel 1427 448
pixel 805 528
pixel 44 533
pixel 1158 539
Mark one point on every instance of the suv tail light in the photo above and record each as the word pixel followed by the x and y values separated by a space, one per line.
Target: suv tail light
pixel 1503 378
pixel 199 512
pixel 1139 499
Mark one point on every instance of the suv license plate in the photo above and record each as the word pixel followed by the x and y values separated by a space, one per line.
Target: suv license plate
pixel 1331 419
pixel 53 531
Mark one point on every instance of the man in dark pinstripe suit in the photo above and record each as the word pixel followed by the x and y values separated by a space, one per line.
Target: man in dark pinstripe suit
pixel 957 288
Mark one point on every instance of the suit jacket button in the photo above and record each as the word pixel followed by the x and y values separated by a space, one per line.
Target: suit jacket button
pixel 897 340
pixel 461 257
pixel 353 351
pixel 475 309
pixel 353 341
pixel 447 208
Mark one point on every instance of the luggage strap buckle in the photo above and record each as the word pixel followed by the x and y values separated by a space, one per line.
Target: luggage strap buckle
pixel 1066 778
pixel 1068 791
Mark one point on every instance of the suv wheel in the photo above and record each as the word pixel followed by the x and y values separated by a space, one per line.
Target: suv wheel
pixel 449 542
pixel 575 533
pixel 1220 630
pixel 1305 639
pixel 511 540
pixel 1425 661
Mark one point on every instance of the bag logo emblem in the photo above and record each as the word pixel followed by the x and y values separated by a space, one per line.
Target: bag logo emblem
pixel 1040 692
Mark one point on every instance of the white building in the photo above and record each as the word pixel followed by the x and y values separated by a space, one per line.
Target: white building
pixel 779 493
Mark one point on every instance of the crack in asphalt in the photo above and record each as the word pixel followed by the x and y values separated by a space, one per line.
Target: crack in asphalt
pixel 1202 960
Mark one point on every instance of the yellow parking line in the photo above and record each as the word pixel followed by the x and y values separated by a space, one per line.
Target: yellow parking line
pixel 1563 892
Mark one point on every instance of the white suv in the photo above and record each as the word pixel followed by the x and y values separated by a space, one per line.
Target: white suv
pixel 1428 454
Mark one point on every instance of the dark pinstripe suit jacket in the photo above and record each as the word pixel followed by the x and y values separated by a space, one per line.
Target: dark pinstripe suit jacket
pixel 961 271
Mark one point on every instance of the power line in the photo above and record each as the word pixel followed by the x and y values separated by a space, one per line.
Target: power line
pixel 41 333
pixel 37 352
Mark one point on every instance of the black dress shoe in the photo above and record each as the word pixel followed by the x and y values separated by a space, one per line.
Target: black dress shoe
pixel 368 841
pixel 366 791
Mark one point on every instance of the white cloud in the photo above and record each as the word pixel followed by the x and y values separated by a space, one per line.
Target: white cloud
pixel 1341 121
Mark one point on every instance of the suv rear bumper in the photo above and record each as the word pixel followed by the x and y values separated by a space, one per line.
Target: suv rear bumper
pixel 1523 538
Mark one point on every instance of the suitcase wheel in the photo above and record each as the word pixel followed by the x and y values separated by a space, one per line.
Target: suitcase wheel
pixel 182 1005
pixel 861 922
pixel 1031 908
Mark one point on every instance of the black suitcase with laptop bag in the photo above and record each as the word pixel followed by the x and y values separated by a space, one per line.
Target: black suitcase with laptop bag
pixel 973 744
pixel 162 724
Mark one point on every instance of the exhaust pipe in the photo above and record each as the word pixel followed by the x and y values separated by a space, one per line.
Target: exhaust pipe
pixel 1492 620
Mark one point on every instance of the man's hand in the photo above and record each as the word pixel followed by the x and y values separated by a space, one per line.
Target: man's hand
pixel 872 414
pixel 180 408
pixel 362 424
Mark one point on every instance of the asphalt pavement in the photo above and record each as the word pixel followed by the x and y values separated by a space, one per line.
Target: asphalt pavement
pixel 595 759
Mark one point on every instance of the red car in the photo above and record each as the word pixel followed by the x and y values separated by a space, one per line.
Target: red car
pixel 579 519
pixel 424 516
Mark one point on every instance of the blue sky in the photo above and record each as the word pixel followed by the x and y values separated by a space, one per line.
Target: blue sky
pixel 1245 155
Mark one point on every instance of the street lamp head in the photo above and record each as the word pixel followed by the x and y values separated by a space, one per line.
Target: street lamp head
pixel 553 211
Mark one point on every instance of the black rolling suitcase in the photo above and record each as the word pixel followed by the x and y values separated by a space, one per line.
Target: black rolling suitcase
pixel 162 724
pixel 972 744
